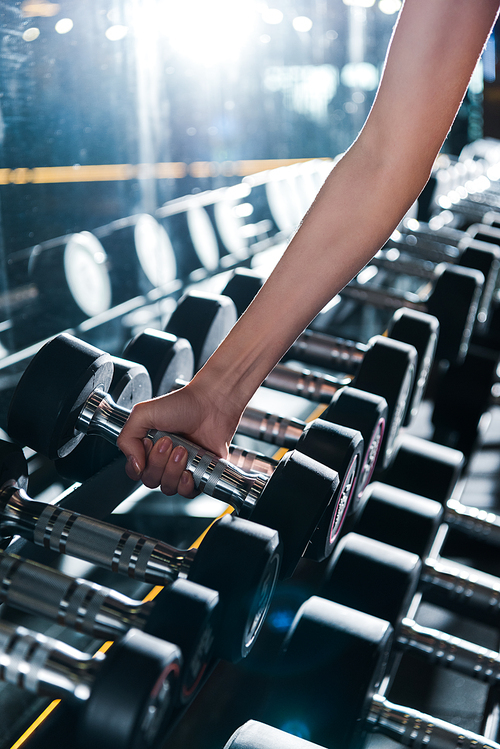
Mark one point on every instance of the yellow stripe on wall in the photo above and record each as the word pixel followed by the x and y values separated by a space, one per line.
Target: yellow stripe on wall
pixel 46 175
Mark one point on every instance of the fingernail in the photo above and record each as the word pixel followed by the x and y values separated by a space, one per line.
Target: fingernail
pixel 164 444
pixel 179 453
pixel 135 466
pixel 184 477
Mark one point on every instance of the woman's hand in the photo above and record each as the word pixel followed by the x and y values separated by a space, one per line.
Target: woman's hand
pixel 185 412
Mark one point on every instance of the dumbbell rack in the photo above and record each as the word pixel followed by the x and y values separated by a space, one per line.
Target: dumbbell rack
pixel 228 698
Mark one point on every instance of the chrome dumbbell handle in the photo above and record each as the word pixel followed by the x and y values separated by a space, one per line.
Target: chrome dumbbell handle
pixel 216 477
pixel 473 521
pixel 449 651
pixel 45 666
pixel 304 383
pixel 76 603
pixel 92 540
pixel 273 429
pixel 461 587
pixel 413 728
pixel 379 297
pixel 249 460
pixel 328 351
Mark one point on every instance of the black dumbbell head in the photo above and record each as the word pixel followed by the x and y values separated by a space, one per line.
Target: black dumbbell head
pixel 333 661
pixel 421 331
pixel 341 449
pixel 424 467
pixel 294 500
pixel 240 560
pixel 367 413
pixel 205 320
pixel 168 359
pixel 242 287
pixel 399 518
pixel 454 300
pixel 388 369
pixel 48 398
pixel 131 383
pixel 371 576
pixel 184 613
pixel 134 694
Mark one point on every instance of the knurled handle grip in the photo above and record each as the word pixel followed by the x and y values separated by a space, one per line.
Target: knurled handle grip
pixel 474 522
pixel 206 468
pixel 71 602
pixel 105 545
pixel 452 652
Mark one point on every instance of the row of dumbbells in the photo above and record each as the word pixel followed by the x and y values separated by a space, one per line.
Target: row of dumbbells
pixel 61 282
pixel 23 404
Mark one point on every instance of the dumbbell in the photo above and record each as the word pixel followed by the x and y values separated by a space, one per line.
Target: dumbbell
pixel 409 521
pixel 386 581
pixel 334 660
pixel 77 375
pixel 183 613
pixel 454 586
pixel 122 699
pixel 238 559
pixel 256 735
pixel 201 318
pixel 335 447
pixel 454 300
pixel 424 467
pixel 413 328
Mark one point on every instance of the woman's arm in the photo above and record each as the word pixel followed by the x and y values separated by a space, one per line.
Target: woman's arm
pixel 433 52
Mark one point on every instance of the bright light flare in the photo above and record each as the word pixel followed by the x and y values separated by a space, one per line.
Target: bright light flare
pixel 302 23
pixel 117 32
pixel 208 32
pixel 389 7
pixel 31 34
pixel 64 25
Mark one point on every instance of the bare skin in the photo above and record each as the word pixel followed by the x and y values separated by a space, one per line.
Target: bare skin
pixel 432 55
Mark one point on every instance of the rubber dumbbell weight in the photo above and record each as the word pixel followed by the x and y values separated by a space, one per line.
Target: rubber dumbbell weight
pixel 454 300
pixel 424 467
pixel 324 538
pixel 409 521
pixel 123 699
pixel 256 735
pixel 204 319
pixel 386 586
pixel 183 613
pixel 457 587
pixel 293 500
pixel 413 328
pixel 334 659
